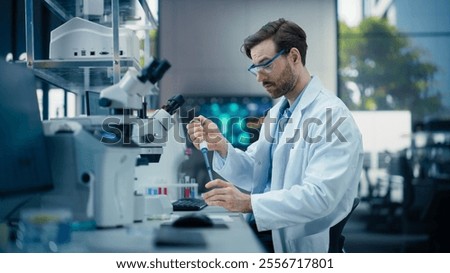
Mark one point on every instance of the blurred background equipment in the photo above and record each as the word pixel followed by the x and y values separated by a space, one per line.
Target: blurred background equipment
pixel 427 189
pixel 239 118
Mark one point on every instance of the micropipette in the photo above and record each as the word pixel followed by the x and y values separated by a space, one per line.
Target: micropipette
pixel 204 150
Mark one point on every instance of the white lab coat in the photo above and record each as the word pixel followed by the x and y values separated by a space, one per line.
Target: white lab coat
pixel 315 188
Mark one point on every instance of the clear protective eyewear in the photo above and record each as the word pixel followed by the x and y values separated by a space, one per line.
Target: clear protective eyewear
pixel 267 66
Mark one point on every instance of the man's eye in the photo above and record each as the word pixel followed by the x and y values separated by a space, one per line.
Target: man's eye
pixel 263 64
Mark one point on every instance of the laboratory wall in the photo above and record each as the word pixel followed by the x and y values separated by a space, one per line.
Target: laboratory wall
pixel 202 40
pixel 12 29
pixel 13 36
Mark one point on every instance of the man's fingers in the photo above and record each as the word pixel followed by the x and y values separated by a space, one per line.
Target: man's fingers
pixel 195 132
pixel 201 119
pixel 219 188
pixel 196 135
pixel 217 183
pixel 214 197
pixel 216 203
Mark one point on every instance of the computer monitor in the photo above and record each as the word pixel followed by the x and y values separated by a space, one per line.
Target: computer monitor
pixel 24 163
pixel 92 106
pixel 236 116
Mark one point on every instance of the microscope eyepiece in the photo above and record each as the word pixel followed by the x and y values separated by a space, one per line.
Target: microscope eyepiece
pixel 154 71
pixel 104 102
pixel 173 104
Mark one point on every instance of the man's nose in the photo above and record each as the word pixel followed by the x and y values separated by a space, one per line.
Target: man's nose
pixel 259 77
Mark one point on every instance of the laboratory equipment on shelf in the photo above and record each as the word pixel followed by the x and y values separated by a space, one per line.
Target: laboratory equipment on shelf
pixel 95 44
pixel 79 38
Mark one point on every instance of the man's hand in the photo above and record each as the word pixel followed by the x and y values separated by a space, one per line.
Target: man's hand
pixel 202 129
pixel 226 195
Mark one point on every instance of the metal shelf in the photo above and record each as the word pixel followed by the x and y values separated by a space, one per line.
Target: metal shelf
pixel 67 9
pixel 79 75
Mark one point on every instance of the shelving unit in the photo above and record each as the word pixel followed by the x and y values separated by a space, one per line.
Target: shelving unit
pixel 78 75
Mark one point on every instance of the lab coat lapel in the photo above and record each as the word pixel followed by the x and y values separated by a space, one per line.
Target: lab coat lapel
pixel 293 131
pixel 281 153
pixel 288 139
pixel 292 135
pixel 262 154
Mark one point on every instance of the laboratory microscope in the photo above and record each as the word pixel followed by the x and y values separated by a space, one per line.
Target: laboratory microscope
pixel 93 158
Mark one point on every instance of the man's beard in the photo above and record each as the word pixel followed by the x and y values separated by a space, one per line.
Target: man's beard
pixel 286 83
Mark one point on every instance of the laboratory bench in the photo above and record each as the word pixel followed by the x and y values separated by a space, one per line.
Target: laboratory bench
pixel 229 234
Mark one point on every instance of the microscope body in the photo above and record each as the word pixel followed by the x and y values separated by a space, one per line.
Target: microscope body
pixel 94 158
pixel 97 180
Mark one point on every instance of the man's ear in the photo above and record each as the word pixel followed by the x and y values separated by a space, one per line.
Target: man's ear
pixel 296 57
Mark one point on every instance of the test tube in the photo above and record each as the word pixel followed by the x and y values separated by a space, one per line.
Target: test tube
pixel 193 192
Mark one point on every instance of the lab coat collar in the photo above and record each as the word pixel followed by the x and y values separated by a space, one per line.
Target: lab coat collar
pixel 309 95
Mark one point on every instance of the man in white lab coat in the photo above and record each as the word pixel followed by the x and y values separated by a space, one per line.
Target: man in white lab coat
pixel 302 173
